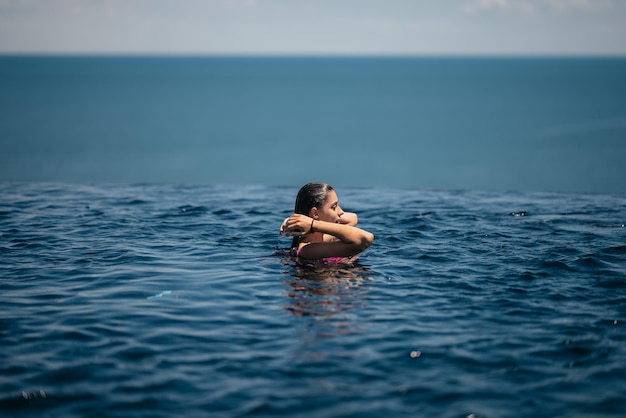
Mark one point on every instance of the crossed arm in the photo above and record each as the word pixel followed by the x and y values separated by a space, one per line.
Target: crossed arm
pixel 342 239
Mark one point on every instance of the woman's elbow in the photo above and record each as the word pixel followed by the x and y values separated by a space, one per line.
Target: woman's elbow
pixel 367 240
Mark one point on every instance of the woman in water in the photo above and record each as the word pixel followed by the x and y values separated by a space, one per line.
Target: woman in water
pixel 321 230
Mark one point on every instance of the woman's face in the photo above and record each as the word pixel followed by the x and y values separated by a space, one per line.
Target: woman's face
pixel 330 210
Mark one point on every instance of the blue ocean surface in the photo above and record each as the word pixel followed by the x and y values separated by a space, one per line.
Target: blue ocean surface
pixel 161 300
pixel 525 124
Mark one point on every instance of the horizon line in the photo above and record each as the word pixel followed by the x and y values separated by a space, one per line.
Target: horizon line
pixel 142 54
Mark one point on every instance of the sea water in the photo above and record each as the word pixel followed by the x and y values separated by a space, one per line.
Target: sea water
pixel 141 271
pixel 542 124
pixel 172 300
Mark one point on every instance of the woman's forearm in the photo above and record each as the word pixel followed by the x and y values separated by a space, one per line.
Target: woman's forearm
pixel 346 233
pixel 349 218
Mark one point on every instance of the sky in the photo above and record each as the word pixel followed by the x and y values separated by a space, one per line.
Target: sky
pixel 320 27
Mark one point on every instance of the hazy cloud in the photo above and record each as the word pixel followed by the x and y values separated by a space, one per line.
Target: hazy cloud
pixel 313 27
pixel 530 6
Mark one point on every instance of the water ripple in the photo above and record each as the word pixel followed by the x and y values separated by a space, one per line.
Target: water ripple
pixel 155 300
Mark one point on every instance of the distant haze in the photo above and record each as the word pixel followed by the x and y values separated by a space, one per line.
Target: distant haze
pixel 322 27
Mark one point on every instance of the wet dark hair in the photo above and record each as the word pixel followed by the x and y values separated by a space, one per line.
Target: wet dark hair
pixel 311 195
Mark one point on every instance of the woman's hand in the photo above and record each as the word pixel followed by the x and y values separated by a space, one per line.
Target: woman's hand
pixel 296 225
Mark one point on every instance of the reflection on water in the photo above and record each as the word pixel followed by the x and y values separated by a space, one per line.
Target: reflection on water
pixel 327 298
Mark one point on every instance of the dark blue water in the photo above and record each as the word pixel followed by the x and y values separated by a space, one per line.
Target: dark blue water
pixel 162 300
pixel 455 123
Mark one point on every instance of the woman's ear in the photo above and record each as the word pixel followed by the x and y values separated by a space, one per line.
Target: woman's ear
pixel 313 213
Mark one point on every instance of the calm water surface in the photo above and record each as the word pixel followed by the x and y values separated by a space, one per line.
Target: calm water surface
pixel 530 124
pixel 163 300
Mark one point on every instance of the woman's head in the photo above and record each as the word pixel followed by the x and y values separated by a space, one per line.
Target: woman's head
pixel 319 201
pixel 311 195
